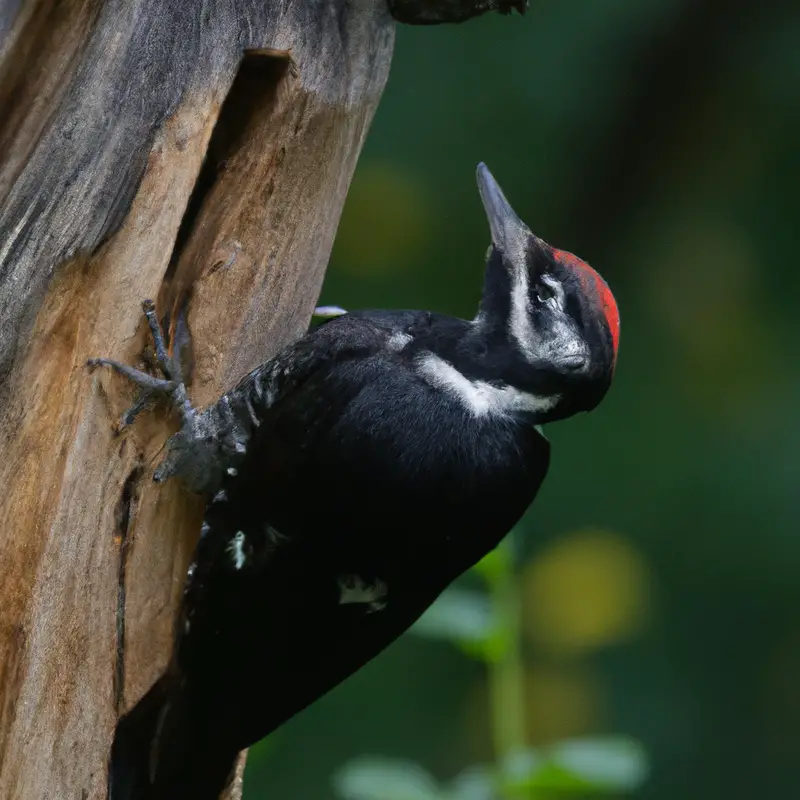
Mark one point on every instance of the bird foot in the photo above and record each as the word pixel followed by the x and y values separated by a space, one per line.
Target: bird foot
pixel 182 446
pixel 208 441
pixel 171 385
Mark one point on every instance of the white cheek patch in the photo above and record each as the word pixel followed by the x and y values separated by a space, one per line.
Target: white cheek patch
pixel 354 590
pixel 560 340
pixel 520 324
pixel 479 397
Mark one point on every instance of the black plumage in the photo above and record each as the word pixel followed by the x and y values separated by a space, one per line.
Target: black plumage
pixel 354 477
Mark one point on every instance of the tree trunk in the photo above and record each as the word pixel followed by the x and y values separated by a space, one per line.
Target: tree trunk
pixel 148 148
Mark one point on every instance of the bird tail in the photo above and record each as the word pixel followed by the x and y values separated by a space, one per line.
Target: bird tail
pixel 166 747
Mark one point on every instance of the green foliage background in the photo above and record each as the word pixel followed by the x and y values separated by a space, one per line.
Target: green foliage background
pixel 658 573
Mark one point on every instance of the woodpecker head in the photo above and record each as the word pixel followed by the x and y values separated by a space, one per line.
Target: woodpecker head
pixel 557 313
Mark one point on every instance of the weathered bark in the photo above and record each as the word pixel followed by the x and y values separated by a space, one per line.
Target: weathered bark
pixel 147 149
pixel 425 12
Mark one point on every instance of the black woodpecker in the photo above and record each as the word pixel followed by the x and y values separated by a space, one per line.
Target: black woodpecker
pixel 350 480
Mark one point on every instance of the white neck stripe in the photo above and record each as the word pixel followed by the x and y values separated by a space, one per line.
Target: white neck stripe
pixel 479 397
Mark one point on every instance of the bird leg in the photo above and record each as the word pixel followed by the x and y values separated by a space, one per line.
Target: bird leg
pixel 199 451
pixel 171 385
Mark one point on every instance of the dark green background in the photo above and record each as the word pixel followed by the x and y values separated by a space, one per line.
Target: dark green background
pixel 657 139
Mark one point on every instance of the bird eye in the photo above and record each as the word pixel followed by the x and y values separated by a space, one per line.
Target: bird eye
pixel 544 293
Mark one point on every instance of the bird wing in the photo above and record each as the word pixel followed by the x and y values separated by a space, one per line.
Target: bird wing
pixel 265 523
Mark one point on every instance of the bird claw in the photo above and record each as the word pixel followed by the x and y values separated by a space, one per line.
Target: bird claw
pixel 145 399
pixel 171 464
pixel 171 385
pixel 197 452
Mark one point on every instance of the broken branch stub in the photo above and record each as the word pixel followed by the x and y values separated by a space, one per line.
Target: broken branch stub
pixel 436 12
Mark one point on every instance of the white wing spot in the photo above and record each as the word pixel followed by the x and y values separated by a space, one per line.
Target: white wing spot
pixel 479 397
pixel 398 340
pixel 251 411
pixel 232 471
pixel 236 549
pixel 353 589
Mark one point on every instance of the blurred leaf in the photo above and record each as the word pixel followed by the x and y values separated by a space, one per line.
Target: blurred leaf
pixel 474 783
pixel 549 777
pixel 460 615
pixel 521 764
pixel 378 778
pixel 496 565
pixel 611 762
pixel 602 764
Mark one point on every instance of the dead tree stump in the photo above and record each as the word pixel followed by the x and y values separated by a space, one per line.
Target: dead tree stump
pixel 148 148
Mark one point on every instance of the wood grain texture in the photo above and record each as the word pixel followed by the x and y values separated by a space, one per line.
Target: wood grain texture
pixel 103 136
pixel 190 148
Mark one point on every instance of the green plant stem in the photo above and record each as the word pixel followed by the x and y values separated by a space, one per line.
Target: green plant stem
pixel 507 673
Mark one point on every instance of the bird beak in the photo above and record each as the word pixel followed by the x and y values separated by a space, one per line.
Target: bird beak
pixel 510 234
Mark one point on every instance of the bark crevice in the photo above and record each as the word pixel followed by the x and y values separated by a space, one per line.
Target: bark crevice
pixel 253 88
pixel 126 508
